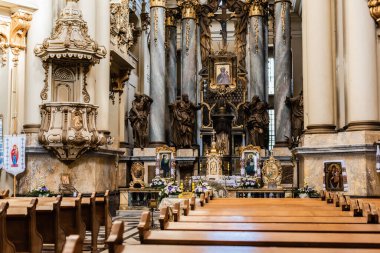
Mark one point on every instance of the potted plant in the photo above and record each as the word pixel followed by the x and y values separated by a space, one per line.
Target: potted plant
pixel 158 182
pixel 171 190
pixel 306 192
pixel 41 191
pixel 249 182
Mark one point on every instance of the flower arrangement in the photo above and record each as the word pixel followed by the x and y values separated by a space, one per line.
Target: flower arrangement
pixel 170 189
pixel 306 191
pixel 158 182
pixel 41 191
pixel 249 182
pixel 202 187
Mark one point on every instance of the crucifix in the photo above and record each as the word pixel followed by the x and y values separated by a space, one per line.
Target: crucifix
pixel 223 19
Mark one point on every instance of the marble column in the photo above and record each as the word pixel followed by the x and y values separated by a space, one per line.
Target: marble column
pixel 282 71
pixel 257 40
pixel 40 28
pixel 88 9
pixel 157 72
pixel 189 50
pixel 171 68
pixel 102 37
pixel 361 75
pixel 319 76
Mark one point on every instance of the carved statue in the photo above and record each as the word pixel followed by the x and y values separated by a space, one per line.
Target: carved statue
pixel 138 116
pixel 257 121
pixel 183 121
pixel 240 12
pixel 204 22
pixel 296 105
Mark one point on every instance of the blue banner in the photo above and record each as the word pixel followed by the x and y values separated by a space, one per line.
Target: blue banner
pixel 1 143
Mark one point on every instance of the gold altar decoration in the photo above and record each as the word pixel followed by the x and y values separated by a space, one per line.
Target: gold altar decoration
pixel 249 148
pixel 374 9
pixel 213 162
pixel 189 8
pixel 272 173
pixel 137 172
pixel 223 63
pixel 20 25
pixel 157 3
pixel 165 149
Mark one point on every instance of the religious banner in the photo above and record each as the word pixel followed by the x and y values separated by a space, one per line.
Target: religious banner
pixel 14 154
pixel 1 143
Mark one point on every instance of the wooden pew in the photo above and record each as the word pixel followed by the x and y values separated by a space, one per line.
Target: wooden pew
pixel 103 212
pixel 176 212
pixel 73 244
pixel 202 199
pixel 186 207
pixel 164 217
pixel 6 246
pixel 192 203
pixel 22 228
pixel 115 241
pixel 89 217
pixel 4 194
pixel 268 239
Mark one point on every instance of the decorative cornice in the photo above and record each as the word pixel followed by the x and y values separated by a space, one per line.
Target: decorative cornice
pixel 157 3
pixel 188 8
pixel 374 9
pixel 70 39
pixel 20 24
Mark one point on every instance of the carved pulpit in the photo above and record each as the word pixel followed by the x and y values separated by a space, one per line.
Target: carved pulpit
pixel 214 162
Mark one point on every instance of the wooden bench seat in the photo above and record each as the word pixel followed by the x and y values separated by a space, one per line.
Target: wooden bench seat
pixel 274 227
pixel 47 219
pixel 6 246
pixel 267 239
pixel 271 219
pixel 115 241
pixel 22 228
pixel 277 213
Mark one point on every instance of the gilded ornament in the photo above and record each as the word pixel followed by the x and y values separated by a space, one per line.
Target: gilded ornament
pixel 121 29
pixel 187 36
pixel 137 172
pixel 170 20
pixel 157 3
pixel 257 8
pixel 272 172
pixel 188 8
pixel 374 9
pixel 155 29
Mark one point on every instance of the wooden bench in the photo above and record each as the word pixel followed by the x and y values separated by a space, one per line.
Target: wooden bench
pixel 115 241
pixel 22 228
pixel 6 246
pixel 267 239
pixel 73 244
pixel 4 194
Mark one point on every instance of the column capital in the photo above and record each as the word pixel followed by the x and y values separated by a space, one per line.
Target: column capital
pixel 189 8
pixel 257 7
pixel 171 17
pixel 374 9
pixel 282 1
pixel 157 3
pixel 20 24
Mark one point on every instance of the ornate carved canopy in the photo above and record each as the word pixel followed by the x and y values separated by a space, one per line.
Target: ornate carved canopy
pixel 70 39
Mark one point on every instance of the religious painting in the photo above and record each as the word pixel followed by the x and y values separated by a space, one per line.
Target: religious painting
pixel 65 179
pixel 250 158
pixel 165 161
pixel 334 176
pixel 223 74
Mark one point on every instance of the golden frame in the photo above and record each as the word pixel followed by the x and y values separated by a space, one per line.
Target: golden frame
pixel 215 64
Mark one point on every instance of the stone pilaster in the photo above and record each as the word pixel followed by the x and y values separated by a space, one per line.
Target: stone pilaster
pixel 171 66
pixel 102 37
pixel 319 76
pixel 189 48
pixel 41 27
pixel 361 64
pixel 258 49
pixel 157 72
pixel 282 70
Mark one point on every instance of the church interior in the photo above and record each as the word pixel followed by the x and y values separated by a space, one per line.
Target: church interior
pixel 189 126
